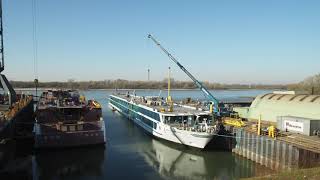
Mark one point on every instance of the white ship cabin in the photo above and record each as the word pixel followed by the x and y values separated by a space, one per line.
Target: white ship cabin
pixel 182 116
pixel 193 120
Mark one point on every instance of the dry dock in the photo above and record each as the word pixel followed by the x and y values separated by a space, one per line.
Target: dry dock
pixel 279 130
pixel 285 152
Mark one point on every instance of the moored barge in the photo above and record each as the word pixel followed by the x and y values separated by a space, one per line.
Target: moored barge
pixel 66 119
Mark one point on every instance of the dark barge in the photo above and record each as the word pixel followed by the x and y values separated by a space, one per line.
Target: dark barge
pixel 66 119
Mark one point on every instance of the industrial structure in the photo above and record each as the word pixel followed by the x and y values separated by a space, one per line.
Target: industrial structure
pixel 279 130
pixel 269 107
pixel 16 115
pixel 16 110
pixel 297 113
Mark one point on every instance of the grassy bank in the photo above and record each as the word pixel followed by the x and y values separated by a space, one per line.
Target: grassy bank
pixel 312 174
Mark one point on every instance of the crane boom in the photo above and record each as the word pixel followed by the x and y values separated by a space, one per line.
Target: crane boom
pixel 214 100
pixel 1 40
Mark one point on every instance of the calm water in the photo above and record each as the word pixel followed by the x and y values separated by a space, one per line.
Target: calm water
pixel 130 153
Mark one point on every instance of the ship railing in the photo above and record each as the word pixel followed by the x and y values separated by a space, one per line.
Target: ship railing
pixel 17 106
pixel 201 127
pixel 74 127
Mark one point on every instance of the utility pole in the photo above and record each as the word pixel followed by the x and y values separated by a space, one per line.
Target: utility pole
pixel 169 83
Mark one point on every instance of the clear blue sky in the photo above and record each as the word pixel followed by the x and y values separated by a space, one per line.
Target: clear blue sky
pixel 240 41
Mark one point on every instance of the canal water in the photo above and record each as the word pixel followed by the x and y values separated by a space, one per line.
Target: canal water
pixel 132 154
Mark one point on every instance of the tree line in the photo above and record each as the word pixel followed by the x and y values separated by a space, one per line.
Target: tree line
pixel 126 84
pixel 310 85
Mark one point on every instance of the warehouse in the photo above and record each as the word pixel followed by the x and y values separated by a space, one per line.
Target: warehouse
pixel 272 106
pixel 275 107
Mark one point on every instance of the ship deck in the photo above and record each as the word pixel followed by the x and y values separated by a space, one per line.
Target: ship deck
pixel 160 105
pixel 60 100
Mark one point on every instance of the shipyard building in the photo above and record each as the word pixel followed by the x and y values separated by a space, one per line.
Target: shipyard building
pixel 291 112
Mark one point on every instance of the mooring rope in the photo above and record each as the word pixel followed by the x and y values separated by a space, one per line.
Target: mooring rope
pixel 236 137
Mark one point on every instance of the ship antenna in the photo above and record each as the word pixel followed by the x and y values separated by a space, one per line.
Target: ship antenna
pixel 159 93
pixel 169 99
pixel 169 84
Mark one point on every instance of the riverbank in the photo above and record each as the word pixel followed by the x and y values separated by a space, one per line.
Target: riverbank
pixel 125 84
pixel 311 174
pixel 128 89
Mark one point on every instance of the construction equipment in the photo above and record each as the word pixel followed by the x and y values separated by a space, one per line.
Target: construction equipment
pixel 1 39
pixel 214 105
pixel 234 122
pixel 259 126
pixel 4 83
pixel 272 131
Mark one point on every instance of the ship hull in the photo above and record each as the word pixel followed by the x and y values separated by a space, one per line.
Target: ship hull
pixel 64 140
pixel 48 137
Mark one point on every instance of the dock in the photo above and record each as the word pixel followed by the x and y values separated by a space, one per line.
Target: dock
pixel 287 151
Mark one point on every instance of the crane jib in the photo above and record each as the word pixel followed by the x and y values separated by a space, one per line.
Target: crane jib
pixel 200 86
pixel 204 90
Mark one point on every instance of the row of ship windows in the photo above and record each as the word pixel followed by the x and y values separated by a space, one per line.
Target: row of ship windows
pixel 148 113
pixel 124 110
pixel 57 137
pixel 136 108
pixel 147 122
pixel 119 101
pixel 71 128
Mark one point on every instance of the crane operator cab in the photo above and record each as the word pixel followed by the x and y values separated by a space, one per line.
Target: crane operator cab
pixel 222 110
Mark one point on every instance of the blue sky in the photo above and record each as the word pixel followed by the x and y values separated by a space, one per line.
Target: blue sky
pixel 240 41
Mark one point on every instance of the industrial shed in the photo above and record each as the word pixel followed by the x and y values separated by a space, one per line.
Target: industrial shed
pixel 271 106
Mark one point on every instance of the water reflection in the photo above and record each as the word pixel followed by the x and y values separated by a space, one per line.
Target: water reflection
pixel 170 162
pixel 15 161
pixel 177 162
pixel 83 162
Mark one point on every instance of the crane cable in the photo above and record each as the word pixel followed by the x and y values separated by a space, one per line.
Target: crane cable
pixel 35 43
pixel 35 40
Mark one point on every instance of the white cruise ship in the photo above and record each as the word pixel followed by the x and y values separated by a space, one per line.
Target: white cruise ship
pixel 181 124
